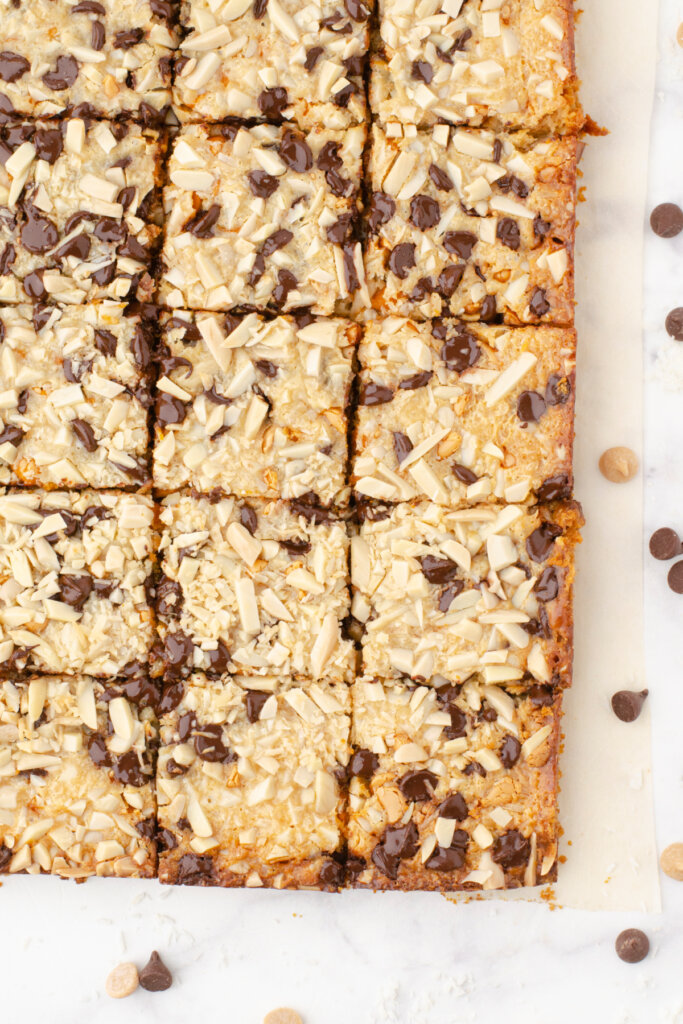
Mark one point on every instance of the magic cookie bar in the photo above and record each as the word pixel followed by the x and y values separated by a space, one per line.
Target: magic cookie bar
pixel 263 217
pixel 508 65
pixel 452 788
pixel 272 59
pixel 485 589
pixel 76 778
pixel 254 406
pixel 77 207
pixel 472 224
pixel 464 413
pixel 73 573
pixel 256 589
pixel 74 396
pixel 97 57
pixel 250 783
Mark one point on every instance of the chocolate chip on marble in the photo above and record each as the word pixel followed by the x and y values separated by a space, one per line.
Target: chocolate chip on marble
pixel 666 220
pixel 627 704
pixel 675 577
pixel 632 945
pixel 155 975
pixel 665 544
pixel 674 323
pixel 402 259
pixel 618 464
pixel 259 9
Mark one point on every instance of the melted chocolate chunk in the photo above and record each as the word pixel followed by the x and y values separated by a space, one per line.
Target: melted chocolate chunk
pixel 262 184
pixel 195 870
pixel 557 390
pixel 64 74
pixel 375 394
pixel 461 243
pixel 507 232
pixel 418 380
pixel 403 446
pixel 295 152
pixel 554 488
pixel 312 57
pixel 530 406
pixel 538 303
pixel 450 858
pixel 97 749
pixel 540 543
pixel 331 874
pixel 12 435
pixel 178 649
pixel 295 546
pixel 273 102
pixel 422 71
pixel 453 807
pixel 511 183
pixel 218 658
pixel 170 409
pixel 128 38
pixel 49 144
pixel 510 750
pixel 399 842
pixel 208 742
pixel 382 209
pixel 511 850
pixel 402 259
pixel 254 701
pixel 169 598
pixel 276 241
pixel 460 352
pixel 548 585
pixel 12 66
pixel 75 590
pixel 85 434
pixel 363 764
pixel 201 225
pixel 131 770
pixel 425 212
pixel 438 570
pixel 441 179
pixel 259 9
pixel 418 785
pixel 39 233
pixel 541 227
pixel 449 594
pixel 449 279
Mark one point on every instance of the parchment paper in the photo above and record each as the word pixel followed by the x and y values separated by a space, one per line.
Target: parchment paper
pixel 606 800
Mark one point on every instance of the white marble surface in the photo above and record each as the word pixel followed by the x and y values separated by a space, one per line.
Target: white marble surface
pixel 416 958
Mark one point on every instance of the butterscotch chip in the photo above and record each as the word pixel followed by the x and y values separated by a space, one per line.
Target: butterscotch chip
pixel 283 1015
pixel 619 464
pixel 122 981
pixel 679 34
pixel 671 861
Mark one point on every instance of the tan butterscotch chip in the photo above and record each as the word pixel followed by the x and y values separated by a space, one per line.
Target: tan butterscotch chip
pixel 679 34
pixel 107 57
pixel 264 217
pixel 452 786
pixel 619 465
pixel 122 981
pixel 671 861
pixel 82 203
pixel 75 386
pixel 472 224
pixel 448 593
pixel 254 407
pixel 285 60
pixel 250 782
pixel 283 1015
pixel 510 65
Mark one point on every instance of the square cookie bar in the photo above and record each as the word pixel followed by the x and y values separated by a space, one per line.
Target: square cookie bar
pixel 74 567
pixel 100 58
pixel 485 589
pixel 79 201
pixel 464 413
pixel 254 406
pixel 75 391
pixel 250 783
pixel 477 225
pixel 255 589
pixel 279 60
pixel 452 788
pixel 76 778
pixel 506 65
pixel 263 217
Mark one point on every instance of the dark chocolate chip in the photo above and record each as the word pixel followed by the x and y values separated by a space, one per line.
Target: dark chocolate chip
pixel 12 435
pixel 666 220
pixel 425 212
pixel 675 577
pixel 441 179
pixel 273 102
pixel 248 519
pixel 140 349
pixel 449 594
pixel 331 874
pixel 460 352
pixel 507 231
pixel 399 842
pixel 155 975
pixel 511 183
pixel 418 380
pixel 342 229
pixel 49 144
pixel 262 184
pixel 530 406
pixel 78 246
pixel 254 701
pixel 7 258
pixel 540 543
pixel 218 658
pixel 128 38
pixel 461 243
pixel 402 259
pixel 312 57
pixel 201 225
pixel 438 570
pixel 382 209
pixel 418 784
pixel 64 74
pixel 449 279
pixel 105 342
pixel 131 771
pixel 665 544
pixel 295 152
pixel 541 227
pixel 208 742
pixel 178 649
pixel 195 870
pixel 554 488
pixel 627 704
pixel 169 597
pixel 510 750
pixel 39 233
pixel 375 394
pixel 85 434
pixel 557 390
pixel 511 850
pixel 538 303
pixel 632 945
pixel 363 764
pixel 259 9
pixel 295 546
pixel 286 282
pixel 97 35
pixel 104 276
pixel 276 241
pixel 75 590
pixel 170 409
pixel 97 749
pixel 357 10
pixel 422 71
pixel 547 585
pixel 464 474
pixel 453 807
pixel 403 446
pixel 674 323
pixel 12 66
